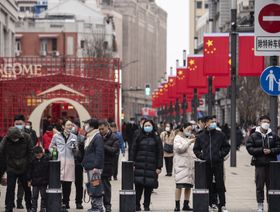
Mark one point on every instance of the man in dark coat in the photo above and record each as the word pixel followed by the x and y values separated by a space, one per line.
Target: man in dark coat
pixel 28 129
pixel 211 145
pixel 264 146
pixel 93 161
pixel 130 130
pixel 111 148
pixel 16 148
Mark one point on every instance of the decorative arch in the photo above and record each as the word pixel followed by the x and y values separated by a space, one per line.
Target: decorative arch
pixel 37 113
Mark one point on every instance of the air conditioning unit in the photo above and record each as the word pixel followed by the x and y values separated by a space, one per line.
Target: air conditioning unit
pixel 43 53
pixel 17 53
pixel 56 53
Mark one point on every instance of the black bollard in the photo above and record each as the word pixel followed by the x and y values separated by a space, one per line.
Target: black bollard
pixel 54 191
pixel 274 188
pixel 127 194
pixel 200 193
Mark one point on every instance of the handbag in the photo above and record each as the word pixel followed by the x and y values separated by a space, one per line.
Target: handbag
pixel 95 188
pixel 168 148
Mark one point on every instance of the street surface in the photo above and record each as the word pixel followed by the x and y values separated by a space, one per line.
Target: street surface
pixel 239 183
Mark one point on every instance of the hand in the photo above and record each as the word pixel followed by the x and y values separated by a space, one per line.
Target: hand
pixel 266 151
pixel 192 140
pixel 158 171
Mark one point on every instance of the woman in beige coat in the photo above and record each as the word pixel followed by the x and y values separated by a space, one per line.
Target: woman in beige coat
pixel 167 137
pixel 184 165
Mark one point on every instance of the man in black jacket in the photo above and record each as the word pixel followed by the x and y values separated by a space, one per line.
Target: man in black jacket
pixel 16 148
pixel 264 146
pixel 111 148
pixel 28 129
pixel 93 161
pixel 211 145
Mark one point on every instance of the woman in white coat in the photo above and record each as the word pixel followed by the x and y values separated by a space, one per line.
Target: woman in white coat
pixel 66 144
pixel 184 164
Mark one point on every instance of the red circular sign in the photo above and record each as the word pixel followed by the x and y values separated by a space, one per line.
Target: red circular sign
pixel 269 18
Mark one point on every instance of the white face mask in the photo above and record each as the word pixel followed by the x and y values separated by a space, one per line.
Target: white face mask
pixel 167 129
pixel 28 127
pixel 87 128
pixel 265 126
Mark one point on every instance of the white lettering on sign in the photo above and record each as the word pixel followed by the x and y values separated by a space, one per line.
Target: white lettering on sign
pixel 18 69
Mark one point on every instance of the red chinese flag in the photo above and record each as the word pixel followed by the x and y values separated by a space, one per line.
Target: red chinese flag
pixel 196 77
pixel 165 100
pixel 216 51
pixel 248 63
pixel 222 81
pixel 172 94
pixel 182 82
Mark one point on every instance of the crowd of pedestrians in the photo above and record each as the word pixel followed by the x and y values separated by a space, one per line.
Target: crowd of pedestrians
pixel 89 155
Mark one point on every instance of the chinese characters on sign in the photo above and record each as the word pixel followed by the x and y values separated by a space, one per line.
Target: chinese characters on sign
pixel 268 44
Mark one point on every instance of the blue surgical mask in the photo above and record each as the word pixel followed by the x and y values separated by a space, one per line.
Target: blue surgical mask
pixel 20 127
pixel 148 129
pixel 213 126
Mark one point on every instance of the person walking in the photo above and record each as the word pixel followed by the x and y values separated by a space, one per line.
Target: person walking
pixel 211 145
pixel 29 130
pixel 184 165
pixel 93 161
pixel 264 146
pixel 111 148
pixel 167 137
pixel 66 144
pixel 114 129
pixel 147 154
pixel 16 149
pixel 38 177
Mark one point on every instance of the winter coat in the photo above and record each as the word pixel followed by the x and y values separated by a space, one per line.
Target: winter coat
pixel 258 141
pixel 94 151
pixel 147 154
pixel 17 154
pixel 33 136
pixel 111 148
pixel 39 172
pixel 65 155
pixel 183 160
pixel 47 139
pixel 211 146
pixel 167 138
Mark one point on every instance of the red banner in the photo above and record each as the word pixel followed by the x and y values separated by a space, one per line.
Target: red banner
pixel 216 51
pixel 196 77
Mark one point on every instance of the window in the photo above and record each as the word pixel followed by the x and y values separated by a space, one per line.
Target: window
pixel 70 45
pixel 199 4
pixel 18 45
pixel 21 9
pixel 54 44
pixel 206 5
pixel 82 44
pixel 44 45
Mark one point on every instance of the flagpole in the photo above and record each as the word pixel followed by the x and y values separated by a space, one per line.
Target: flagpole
pixel 273 100
pixel 233 47
pixel 195 97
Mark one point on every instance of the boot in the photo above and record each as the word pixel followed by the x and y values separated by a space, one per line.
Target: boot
pixel 186 206
pixel 177 207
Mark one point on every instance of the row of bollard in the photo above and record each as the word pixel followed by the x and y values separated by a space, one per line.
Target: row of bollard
pixel 128 195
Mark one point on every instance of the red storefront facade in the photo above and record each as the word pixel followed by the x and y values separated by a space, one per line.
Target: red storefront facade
pixel 29 84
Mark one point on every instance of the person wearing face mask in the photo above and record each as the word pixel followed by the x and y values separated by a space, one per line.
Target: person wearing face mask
pixel 264 146
pixel 167 137
pixel 147 154
pixel 184 164
pixel 16 149
pixel 111 148
pixel 28 129
pixel 212 146
pixel 66 145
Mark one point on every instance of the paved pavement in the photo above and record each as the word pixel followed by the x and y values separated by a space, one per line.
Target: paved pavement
pixel 239 182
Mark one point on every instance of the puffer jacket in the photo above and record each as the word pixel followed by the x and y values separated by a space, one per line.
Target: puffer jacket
pixel 147 154
pixel 259 141
pixel 39 171
pixel 211 146
pixel 111 148
pixel 183 160
pixel 167 138
pixel 17 154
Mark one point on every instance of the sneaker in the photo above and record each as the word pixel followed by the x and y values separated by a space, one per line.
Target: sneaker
pixel 223 209
pixel 260 207
pixel 214 208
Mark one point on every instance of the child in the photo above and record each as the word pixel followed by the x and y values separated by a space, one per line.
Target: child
pixel 38 177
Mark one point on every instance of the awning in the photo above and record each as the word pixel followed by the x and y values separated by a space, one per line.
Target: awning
pixel 48 35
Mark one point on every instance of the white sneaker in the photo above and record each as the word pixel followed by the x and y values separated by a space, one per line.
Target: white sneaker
pixel 214 208
pixel 224 209
pixel 260 207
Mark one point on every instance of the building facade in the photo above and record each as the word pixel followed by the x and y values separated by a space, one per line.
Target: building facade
pixel 144 50
pixel 8 19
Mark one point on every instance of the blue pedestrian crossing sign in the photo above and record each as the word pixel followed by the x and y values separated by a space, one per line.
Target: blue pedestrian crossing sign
pixel 270 80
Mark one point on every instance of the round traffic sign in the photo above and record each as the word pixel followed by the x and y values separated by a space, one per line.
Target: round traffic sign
pixel 270 80
pixel 269 18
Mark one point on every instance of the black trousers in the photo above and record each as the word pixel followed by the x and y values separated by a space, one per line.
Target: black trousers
pixel 107 193
pixel 169 164
pixel 35 195
pixel 262 178
pixel 20 193
pixel 216 170
pixel 79 183
pixel 66 191
pixel 147 195
pixel 116 165
pixel 10 192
